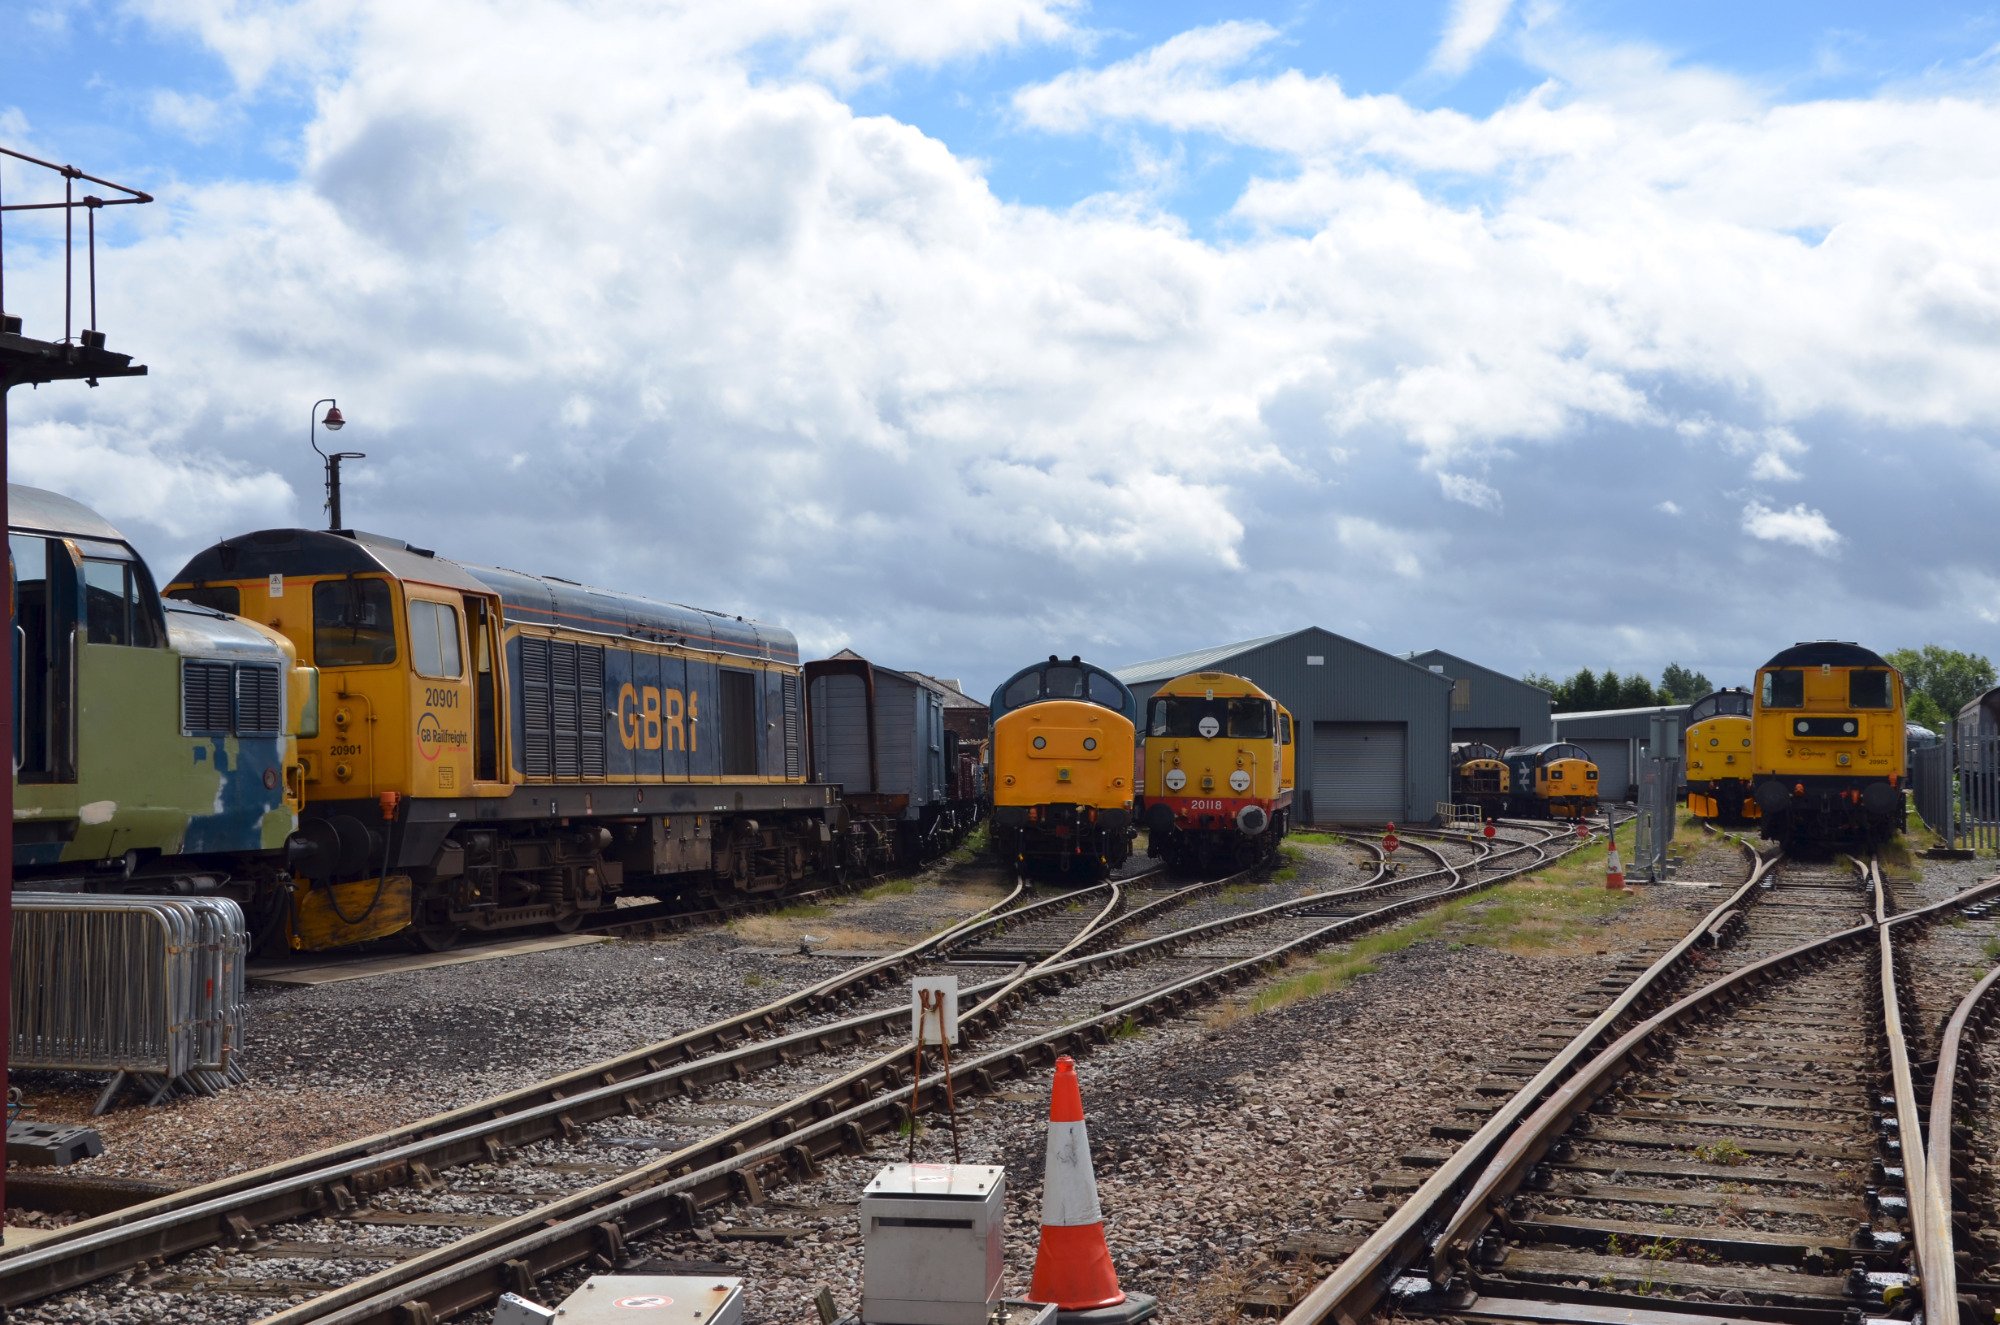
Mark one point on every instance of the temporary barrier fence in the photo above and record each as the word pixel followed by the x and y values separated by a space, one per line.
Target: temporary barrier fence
pixel 1956 785
pixel 1459 818
pixel 149 989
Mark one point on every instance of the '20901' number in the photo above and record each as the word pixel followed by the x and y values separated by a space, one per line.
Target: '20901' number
pixel 438 698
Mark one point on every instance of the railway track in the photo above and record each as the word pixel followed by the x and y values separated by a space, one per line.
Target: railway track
pixel 1731 1154
pixel 394 1203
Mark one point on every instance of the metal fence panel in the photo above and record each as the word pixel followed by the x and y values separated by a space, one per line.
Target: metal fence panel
pixel 150 989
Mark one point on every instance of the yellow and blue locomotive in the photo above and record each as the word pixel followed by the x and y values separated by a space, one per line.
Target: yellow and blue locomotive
pixel 1479 777
pixel 500 750
pixel 1827 745
pixel 156 745
pixel 1718 757
pixel 1218 786
pixel 1552 781
pixel 1063 738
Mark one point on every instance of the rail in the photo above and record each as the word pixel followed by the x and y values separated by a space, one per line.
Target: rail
pixel 440 1284
pixel 1475 1181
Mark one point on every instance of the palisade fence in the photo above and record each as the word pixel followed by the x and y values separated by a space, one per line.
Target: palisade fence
pixel 1659 777
pixel 149 989
pixel 1956 784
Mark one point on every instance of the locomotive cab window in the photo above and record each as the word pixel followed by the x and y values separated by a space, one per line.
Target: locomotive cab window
pixel 1284 729
pixel 119 604
pixel 434 650
pixel 1063 682
pixel 1868 690
pixel 353 624
pixel 1104 691
pixel 1025 690
pixel 1784 688
pixel 1250 717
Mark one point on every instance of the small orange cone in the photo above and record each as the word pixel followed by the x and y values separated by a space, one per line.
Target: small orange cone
pixel 1614 868
pixel 1073 1263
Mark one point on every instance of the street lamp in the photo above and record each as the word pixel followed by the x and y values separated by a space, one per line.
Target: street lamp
pixel 332 423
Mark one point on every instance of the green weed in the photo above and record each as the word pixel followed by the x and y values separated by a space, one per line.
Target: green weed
pixel 1316 839
pixel 1723 1154
pixel 889 888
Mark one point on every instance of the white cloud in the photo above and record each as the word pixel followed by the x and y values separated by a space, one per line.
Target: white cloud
pixel 1804 528
pixel 1668 508
pixel 627 291
pixel 1374 544
pixel 1464 488
pixel 1470 27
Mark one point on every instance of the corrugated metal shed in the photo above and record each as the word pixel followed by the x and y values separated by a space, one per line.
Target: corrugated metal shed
pixel 1615 739
pixel 1343 693
pixel 1487 705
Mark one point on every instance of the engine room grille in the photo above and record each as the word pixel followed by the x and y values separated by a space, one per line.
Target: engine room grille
pixel 206 697
pixel 221 699
pixel 794 761
pixel 258 709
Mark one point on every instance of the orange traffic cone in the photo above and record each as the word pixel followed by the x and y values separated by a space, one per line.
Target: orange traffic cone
pixel 1073 1264
pixel 1614 868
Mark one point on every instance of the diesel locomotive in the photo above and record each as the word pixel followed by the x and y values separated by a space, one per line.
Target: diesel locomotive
pixel 1479 777
pixel 1552 781
pixel 1717 757
pixel 1827 745
pixel 1062 769
pixel 155 744
pixel 1218 761
pixel 499 749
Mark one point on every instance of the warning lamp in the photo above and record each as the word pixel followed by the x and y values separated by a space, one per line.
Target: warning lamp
pixel 1798 789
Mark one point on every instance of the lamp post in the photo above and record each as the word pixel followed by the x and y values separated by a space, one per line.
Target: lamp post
pixel 332 423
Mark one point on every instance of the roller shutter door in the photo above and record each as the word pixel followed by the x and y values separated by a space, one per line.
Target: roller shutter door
pixel 1360 772
pixel 1614 767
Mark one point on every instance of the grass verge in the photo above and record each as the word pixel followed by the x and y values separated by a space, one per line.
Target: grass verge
pixel 1550 912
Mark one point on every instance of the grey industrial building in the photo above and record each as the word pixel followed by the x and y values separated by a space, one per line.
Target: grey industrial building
pixel 1491 706
pixel 1373 729
pixel 1614 739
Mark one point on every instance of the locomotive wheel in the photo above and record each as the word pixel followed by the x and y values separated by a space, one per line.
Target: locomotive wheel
pixel 434 937
pixel 568 924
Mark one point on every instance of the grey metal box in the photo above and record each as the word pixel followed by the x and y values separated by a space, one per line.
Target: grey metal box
pixel 932 1237
pixel 654 1299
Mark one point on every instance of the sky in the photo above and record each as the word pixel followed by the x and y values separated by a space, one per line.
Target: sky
pixel 1554 333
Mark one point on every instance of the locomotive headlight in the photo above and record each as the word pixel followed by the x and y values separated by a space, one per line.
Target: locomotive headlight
pixel 1844 760
pixel 1041 742
pixel 1800 726
pixel 1714 741
pixel 1090 742
pixel 1847 727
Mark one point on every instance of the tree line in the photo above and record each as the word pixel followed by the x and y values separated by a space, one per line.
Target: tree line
pixel 1937 681
pixel 1586 690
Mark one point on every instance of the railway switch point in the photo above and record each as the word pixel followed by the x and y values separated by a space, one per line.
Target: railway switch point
pixel 1073 1266
pixel 933 1244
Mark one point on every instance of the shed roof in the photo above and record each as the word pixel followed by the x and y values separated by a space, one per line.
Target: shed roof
pixel 1163 669
pixel 1428 656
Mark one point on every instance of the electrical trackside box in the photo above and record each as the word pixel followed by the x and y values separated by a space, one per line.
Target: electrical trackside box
pixel 932 1238
pixel 653 1299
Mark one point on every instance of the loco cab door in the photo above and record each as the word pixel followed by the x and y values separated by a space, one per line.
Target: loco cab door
pixel 444 696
